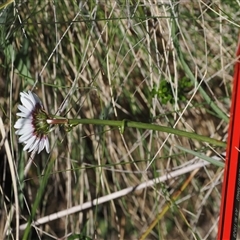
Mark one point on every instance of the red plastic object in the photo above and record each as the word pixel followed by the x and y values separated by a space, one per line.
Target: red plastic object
pixel 228 221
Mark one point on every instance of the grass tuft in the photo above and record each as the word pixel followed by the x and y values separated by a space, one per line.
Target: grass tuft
pixel 168 64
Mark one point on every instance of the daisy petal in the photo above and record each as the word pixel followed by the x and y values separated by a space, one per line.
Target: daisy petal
pixel 19 123
pixel 34 98
pixel 47 145
pixel 41 145
pixel 34 146
pixel 32 126
pixel 24 138
pixel 27 103
pixel 22 114
pixel 26 129
pixel 29 143
pixel 24 109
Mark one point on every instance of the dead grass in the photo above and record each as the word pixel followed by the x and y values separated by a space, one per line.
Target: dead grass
pixel 105 64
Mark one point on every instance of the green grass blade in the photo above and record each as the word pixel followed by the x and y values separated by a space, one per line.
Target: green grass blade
pixel 204 157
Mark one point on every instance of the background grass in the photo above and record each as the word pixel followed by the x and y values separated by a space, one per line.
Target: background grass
pixel 117 60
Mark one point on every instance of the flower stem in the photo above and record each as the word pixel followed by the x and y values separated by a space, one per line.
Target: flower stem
pixel 127 123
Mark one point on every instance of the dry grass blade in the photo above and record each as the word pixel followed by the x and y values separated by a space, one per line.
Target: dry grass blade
pixel 14 181
pixel 111 60
pixel 121 193
pixel 170 204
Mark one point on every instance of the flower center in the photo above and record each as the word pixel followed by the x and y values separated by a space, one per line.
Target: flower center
pixel 40 121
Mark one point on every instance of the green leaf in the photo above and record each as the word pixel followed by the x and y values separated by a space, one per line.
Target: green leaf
pixel 204 157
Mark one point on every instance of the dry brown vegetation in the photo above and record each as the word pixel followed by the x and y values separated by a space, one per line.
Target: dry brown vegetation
pixel 107 59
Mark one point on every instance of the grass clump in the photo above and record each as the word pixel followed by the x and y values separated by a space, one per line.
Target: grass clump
pixel 167 64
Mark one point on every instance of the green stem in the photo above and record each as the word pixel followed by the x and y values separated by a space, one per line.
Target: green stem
pixel 126 123
pixel 38 199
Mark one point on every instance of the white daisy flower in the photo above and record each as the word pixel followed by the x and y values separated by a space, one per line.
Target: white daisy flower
pixel 32 126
